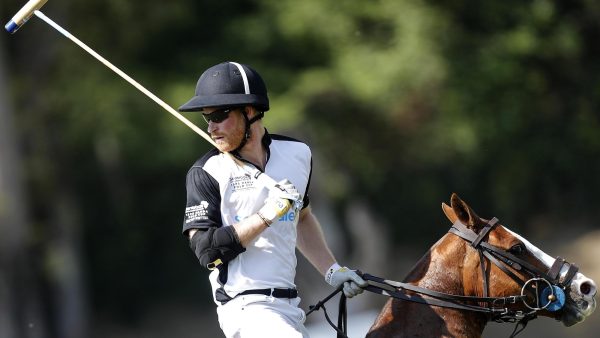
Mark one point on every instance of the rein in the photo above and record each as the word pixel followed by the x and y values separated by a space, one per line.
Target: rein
pixel 496 308
pixel 342 325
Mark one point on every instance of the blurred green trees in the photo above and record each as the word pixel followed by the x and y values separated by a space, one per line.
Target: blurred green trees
pixel 403 103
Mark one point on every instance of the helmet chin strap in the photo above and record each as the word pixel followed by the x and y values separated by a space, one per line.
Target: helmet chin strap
pixel 248 122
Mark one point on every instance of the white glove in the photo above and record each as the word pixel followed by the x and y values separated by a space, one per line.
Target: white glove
pixel 285 189
pixel 337 275
pixel 279 201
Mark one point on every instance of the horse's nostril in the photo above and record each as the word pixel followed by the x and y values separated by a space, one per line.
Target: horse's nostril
pixel 584 305
pixel 585 288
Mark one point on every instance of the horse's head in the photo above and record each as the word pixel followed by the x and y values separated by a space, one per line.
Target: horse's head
pixel 513 266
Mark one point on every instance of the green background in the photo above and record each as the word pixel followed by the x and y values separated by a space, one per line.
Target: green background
pixel 403 103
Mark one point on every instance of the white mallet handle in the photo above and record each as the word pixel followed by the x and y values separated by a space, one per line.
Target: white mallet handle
pixel 23 15
pixel 262 178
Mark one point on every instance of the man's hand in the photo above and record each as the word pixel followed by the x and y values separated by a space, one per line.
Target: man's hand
pixel 279 201
pixel 285 189
pixel 353 284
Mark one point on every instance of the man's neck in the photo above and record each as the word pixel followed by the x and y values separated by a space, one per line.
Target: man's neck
pixel 253 150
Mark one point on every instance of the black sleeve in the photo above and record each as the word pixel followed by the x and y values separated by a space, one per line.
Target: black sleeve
pixel 213 242
pixel 216 244
pixel 203 206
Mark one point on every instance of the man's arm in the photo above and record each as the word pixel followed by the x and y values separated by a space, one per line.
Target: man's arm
pixel 277 204
pixel 311 241
pixel 246 230
pixel 312 245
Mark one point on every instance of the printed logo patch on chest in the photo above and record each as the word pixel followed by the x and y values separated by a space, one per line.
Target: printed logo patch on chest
pixel 241 183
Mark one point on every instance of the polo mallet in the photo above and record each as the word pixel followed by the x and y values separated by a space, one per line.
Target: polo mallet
pixel 33 7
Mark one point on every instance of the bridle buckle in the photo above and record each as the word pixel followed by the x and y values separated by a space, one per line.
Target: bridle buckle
pixel 512 299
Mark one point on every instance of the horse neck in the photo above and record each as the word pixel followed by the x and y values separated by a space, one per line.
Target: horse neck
pixel 442 270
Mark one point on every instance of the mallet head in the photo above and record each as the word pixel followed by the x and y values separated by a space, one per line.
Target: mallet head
pixel 23 15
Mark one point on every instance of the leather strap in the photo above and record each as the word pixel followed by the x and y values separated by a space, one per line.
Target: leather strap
pixel 573 269
pixel 555 269
pixel 484 232
pixel 277 293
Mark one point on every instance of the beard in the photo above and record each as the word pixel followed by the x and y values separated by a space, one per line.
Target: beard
pixel 230 141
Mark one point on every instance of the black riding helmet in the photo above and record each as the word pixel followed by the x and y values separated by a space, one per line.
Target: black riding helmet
pixel 229 84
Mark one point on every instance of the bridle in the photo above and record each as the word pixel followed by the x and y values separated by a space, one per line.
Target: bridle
pixel 547 287
pixel 550 298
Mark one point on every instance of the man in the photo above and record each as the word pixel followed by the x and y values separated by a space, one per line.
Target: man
pixel 242 230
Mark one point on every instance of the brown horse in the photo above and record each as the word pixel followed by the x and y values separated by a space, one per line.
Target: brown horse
pixel 453 266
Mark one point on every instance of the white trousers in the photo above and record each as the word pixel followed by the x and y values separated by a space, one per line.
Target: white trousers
pixel 262 316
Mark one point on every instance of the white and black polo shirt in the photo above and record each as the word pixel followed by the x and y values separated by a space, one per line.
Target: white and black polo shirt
pixel 221 193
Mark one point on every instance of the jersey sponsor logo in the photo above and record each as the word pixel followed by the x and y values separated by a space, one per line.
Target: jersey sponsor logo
pixel 196 212
pixel 289 217
pixel 241 183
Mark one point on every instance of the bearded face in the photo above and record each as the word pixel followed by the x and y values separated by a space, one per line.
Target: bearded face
pixel 229 133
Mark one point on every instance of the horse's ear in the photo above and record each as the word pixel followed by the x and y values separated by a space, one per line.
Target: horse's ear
pixel 449 212
pixel 464 213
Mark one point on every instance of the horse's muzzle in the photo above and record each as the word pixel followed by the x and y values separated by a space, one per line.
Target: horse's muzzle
pixel 581 301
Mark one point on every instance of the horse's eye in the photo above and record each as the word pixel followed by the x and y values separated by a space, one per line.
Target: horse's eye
pixel 517 249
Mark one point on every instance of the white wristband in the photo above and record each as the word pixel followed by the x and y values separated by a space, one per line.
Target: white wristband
pixel 329 273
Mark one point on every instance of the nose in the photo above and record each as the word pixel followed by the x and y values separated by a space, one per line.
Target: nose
pixel 211 127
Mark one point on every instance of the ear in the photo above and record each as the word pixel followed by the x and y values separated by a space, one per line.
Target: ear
pixel 449 212
pixel 464 213
pixel 252 113
pixel 249 111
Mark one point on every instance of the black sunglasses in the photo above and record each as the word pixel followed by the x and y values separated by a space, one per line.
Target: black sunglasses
pixel 218 115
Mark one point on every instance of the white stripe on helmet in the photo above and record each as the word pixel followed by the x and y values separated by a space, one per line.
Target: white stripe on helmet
pixel 244 76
